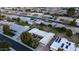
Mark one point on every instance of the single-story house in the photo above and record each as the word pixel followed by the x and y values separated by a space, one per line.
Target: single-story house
pixel 62 43
pixel 47 17
pixel 77 22
pixel 46 40
pixel 38 32
pixel 38 21
pixel 25 18
pixel 30 22
pixel 18 29
pixel 37 14
pixel 46 36
pixel 62 18
pixel 6 23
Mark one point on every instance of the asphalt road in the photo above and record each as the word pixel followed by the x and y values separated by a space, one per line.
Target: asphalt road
pixel 38 18
pixel 15 45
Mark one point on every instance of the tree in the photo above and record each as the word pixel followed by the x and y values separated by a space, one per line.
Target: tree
pixel 22 23
pixel 27 10
pixel 63 29
pixel 26 36
pixel 49 25
pixel 69 32
pixel 42 24
pixel 18 20
pixel 4 45
pixel 71 11
pixel 7 30
pixel 47 13
pixel 73 23
pixel 2 17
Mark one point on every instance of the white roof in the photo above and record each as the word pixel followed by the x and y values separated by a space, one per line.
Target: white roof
pixel 12 16
pixel 19 28
pixel 55 45
pixel 46 36
pixel 77 48
pixel 59 25
pixel 37 13
pixel 30 22
pixel 47 16
pixel 38 32
pixel 65 18
pixel 25 18
pixel 47 39
pixel 6 22
pixel 38 21
pixel 77 20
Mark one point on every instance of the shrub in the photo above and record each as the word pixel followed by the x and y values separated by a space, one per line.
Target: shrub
pixel 4 45
pixel 69 32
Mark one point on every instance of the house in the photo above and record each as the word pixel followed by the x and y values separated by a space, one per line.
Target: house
pixel 25 18
pixel 18 29
pixel 46 16
pixel 5 23
pixel 63 18
pixel 46 36
pixel 63 44
pixel 39 15
pixel 30 22
pixel 38 21
pixel 46 40
pixel 77 22
pixel 38 32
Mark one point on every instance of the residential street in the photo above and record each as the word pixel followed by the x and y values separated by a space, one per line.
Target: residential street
pixel 15 45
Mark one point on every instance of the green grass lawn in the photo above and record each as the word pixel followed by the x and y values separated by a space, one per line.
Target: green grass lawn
pixel 55 31
pixel 66 21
